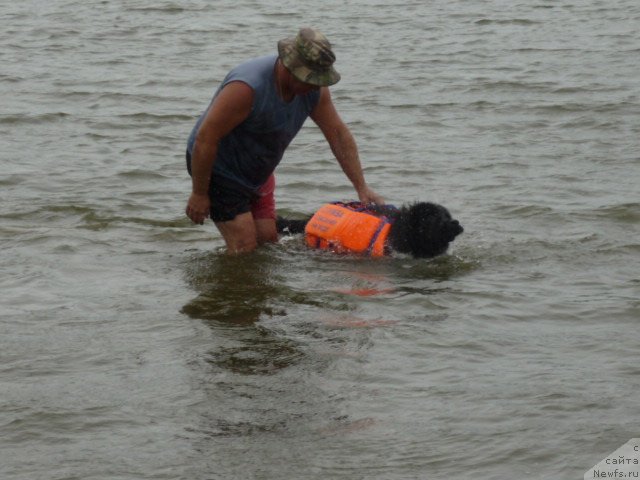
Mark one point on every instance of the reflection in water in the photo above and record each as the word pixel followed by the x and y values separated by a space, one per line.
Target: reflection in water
pixel 235 293
pixel 257 378
pixel 282 322
pixel 257 357
pixel 233 290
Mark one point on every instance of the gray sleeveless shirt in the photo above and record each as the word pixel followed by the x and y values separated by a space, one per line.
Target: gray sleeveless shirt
pixel 249 154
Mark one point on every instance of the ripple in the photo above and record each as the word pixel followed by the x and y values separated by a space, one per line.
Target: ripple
pixel 27 119
pixel 624 212
pixel 513 21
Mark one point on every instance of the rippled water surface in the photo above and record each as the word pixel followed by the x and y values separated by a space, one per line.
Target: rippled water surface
pixel 131 348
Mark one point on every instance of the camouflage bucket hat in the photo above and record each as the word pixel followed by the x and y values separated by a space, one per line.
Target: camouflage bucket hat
pixel 309 57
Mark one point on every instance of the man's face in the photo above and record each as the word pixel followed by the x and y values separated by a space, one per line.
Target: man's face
pixel 301 88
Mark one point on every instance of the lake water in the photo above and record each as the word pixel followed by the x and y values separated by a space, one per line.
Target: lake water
pixel 132 348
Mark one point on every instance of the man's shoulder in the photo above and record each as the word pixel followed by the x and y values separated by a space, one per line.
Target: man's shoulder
pixel 253 71
pixel 258 63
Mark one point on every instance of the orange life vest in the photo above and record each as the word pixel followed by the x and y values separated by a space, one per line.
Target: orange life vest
pixel 343 227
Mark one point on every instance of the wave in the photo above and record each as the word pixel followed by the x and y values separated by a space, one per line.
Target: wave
pixel 30 119
pixel 514 21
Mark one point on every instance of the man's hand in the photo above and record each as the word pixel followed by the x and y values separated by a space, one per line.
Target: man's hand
pixel 198 208
pixel 366 195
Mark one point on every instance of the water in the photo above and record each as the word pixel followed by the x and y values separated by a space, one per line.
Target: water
pixel 131 348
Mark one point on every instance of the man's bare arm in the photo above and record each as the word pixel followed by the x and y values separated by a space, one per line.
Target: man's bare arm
pixel 343 145
pixel 230 108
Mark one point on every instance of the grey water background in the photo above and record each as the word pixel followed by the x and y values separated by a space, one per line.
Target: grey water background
pixel 132 348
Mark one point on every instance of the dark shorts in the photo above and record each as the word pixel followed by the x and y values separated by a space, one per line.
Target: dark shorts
pixel 229 199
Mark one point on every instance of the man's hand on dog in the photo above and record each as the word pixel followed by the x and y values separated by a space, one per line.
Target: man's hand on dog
pixel 366 195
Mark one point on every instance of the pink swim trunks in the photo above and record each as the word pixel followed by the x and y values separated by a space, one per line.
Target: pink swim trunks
pixel 264 207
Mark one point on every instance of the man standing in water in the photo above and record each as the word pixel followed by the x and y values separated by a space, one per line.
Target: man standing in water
pixel 239 140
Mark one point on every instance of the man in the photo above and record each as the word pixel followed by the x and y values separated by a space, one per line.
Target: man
pixel 239 140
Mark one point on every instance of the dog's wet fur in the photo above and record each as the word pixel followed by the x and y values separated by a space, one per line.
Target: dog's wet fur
pixel 421 229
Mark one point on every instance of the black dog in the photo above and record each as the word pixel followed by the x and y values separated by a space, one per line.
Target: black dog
pixel 421 229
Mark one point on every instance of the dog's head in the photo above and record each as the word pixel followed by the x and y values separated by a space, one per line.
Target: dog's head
pixel 424 230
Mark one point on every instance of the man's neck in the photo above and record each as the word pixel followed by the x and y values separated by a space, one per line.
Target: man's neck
pixel 282 81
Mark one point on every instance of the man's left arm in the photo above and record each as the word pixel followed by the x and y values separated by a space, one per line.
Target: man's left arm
pixel 343 145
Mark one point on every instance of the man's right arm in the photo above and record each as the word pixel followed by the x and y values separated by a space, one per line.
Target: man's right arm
pixel 343 145
pixel 231 107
